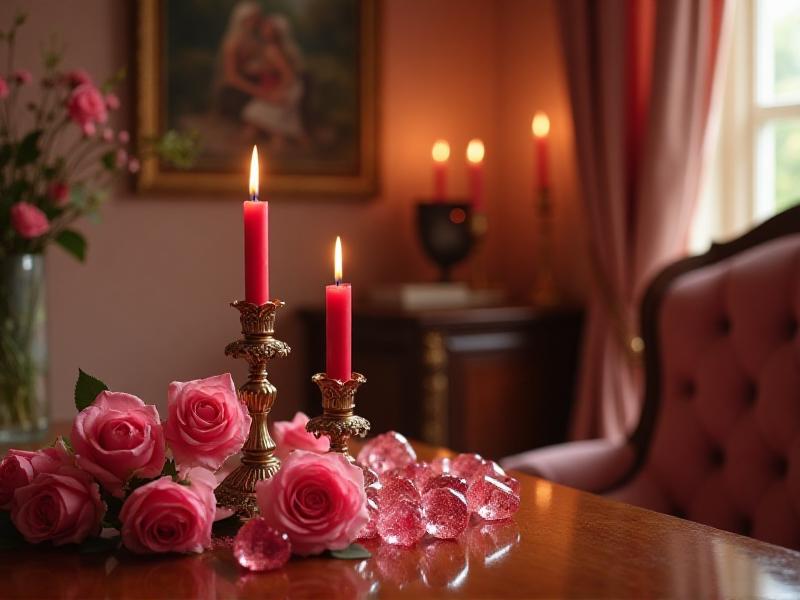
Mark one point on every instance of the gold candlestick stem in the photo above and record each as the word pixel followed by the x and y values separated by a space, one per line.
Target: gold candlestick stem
pixel 257 347
pixel 338 421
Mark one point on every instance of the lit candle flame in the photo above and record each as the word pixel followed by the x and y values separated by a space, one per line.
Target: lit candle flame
pixel 540 125
pixel 254 175
pixel 337 261
pixel 475 151
pixel 440 151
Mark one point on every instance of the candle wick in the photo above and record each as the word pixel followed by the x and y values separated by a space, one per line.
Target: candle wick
pixel 254 197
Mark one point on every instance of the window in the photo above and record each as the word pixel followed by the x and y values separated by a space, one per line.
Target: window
pixel 756 170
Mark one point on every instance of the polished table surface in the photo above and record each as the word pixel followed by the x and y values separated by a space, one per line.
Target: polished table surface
pixel 562 543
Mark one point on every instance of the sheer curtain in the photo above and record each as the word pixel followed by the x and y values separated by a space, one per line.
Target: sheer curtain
pixel 643 77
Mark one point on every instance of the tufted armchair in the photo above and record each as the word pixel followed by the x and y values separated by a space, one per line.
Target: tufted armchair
pixel 719 437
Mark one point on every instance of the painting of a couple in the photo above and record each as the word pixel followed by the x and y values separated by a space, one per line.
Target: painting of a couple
pixel 296 77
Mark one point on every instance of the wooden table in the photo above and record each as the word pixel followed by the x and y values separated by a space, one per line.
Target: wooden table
pixel 562 543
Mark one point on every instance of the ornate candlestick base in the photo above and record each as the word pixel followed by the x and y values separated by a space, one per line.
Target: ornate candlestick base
pixel 338 421
pixel 257 346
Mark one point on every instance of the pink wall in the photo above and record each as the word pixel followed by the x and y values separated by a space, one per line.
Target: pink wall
pixel 151 303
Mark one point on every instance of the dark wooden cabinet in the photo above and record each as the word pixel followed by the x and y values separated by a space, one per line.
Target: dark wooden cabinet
pixel 494 380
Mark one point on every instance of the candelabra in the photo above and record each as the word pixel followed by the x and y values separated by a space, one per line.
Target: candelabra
pixel 257 346
pixel 338 421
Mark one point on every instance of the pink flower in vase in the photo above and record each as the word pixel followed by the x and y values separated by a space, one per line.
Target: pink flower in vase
pixel 292 435
pixel 4 91
pixel 166 516
pixel 207 422
pixel 86 105
pixel 77 77
pixel 22 76
pixel 118 437
pixel 112 101
pixel 28 220
pixel 58 192
pixel 134 165
pixel 107 135
pixel 124 137
pixel 88 129
pixel 63 507
pixel 317 499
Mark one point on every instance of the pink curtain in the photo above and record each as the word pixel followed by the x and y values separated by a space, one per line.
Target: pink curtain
pixel 641 76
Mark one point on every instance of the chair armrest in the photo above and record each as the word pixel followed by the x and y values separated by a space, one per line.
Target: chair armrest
pixel 590 465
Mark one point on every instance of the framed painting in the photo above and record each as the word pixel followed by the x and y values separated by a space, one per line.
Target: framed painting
pixel 295 77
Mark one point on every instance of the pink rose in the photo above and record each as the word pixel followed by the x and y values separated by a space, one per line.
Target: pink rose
pixel 123 137
pixel 317 499
pixel 77 77
pixel 19 467
pixel 58 192
pixel 15 472
pixel 134 165
pixel 165 516
pixel 292 435
pixel 108 135
pixel 64 507
pixel 88 129
pixel 207 422
pixel 28 220
pixel 86 105
pixel 3 88
pixel 22 76
pixel 112 101
pixel 118 437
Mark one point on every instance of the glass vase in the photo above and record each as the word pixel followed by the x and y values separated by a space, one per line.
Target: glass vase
pixel 24 411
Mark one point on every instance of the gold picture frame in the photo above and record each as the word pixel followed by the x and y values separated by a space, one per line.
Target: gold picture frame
pixel 360 181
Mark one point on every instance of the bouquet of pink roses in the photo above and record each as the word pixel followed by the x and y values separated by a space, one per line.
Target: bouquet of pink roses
pixel 58 152
pixel 125 473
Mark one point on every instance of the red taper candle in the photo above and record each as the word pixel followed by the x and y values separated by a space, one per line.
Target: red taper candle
pixel 475 153
pixel 338 323
pixel 540 127
pixel 440 154
pixel 256 241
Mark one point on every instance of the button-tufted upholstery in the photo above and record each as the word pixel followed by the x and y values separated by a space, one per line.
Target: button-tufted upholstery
pixel 726 447
pixel 723 446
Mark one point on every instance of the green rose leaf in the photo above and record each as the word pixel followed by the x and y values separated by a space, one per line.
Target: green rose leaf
pixel 28 149
pixel 73 242
pixel 86 389
pixel 352 552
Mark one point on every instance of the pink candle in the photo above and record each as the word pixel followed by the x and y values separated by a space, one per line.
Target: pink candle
pixel 440 154
pixel 540 126
pixel 338 323
pixel 475 153
pixel 256 241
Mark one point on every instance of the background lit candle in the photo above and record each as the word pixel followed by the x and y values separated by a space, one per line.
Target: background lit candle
pixel 338 322
pixel 256 241
pixel 540 127
pixel 440 154
pixel 475 153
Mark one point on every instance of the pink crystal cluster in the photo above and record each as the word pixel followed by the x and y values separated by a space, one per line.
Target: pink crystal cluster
pixel 408 499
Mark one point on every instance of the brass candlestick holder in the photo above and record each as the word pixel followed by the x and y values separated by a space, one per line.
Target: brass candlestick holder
pixel 257 346
pixel 338 422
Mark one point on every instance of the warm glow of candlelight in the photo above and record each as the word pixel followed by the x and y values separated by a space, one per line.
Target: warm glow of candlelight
pixel 337 261
pixel 540 125
pixel 254 174
pixel 440 151
pixel 475 151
